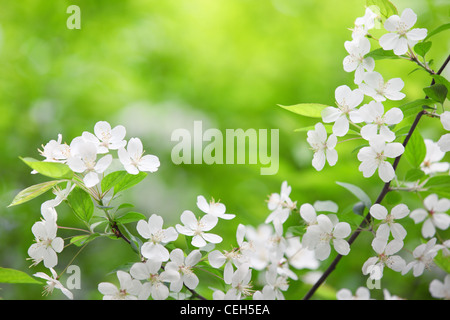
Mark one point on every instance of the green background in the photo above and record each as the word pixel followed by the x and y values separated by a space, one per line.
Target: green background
pixel 155 66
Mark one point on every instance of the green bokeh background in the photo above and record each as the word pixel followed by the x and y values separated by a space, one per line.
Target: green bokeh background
pixel 155 66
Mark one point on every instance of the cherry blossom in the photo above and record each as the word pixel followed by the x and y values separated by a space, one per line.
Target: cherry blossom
pixel 184 266
pixel 432 215
pixel 347 101
pixel 401 37
pixel 364 24
pixel 213 208
pixel 373 85
pixel 129 288
pixel 440 290
pixel 355 61
pixel 378 122
pixel 133 159
pixel 385 257
pixel 432 161
pixel 52 283
pixel 322 146
pixel 444 141
pixel 362 293
pixel 375 157
pixel 389 224
pixel 197 228
pixel 281 204
pixel 423 257
pixel 106 138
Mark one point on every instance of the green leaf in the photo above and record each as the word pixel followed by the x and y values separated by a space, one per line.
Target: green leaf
pixel 53 170
pixel 83 239
pixel 110 180
pixel 415 150
pixel 33 192
pixel 312 110
pixel 437 92
pixel 442 80
pixel 128 181
pixel 385 7
pixel 357 192
pixel 380 54
pixel 131 217
pixel 414 107
pixel 81 204
pixel 393 198
pixel 328 128
pixel 296 231
pixel 442 261
pixel 414 175
pixel 439 185
pixel 15 276
pixel 438 30
pixel 422 48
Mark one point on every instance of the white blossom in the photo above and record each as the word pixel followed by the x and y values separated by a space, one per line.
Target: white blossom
pixel 52 283
pixel 157 237
pixel 423 257
pixel 213 208
pixel 364 24
pixel 129 288
pixel 374 157
pixel 385 257
pixel 362 293
pixel 197 228
pixel 278 283
pixel 319 236
pixel 378 122
pixel 347 101
pixel 355 60
pixel 133 159
pixel 400 36
pixel 389 224
pixel 184 266
pixel 444 141
pixel 432 162
pixel 440 290
pixel 106 138
pixel 55 151
pixel 433 215
pixel 373 85
pixel 323 146
pixel 281 204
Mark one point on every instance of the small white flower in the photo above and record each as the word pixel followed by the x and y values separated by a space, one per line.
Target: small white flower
pixel 385 257
pixel 197 228
pixel 378 122
pixel 374 157
pixel 52 283
pixel 388 296
pixel 267 293
pixel 362 293
pixel 441 290
pixel 150 271
pixel 433 215
pixel 347 101
pixel 322 146
pixel 47 243
pixel 178 263
pixel 389 224
pixel 373 85
pixel 240 283
pixel 423 257
pixel 319 236
pixel 55 151
pixel 277 283
pixel 61 195
pixel 84 160
pixel 213 208
pixel 355 61
pixel 364 24
pixel 129 288
pixel 280 204
pixel 157 236
pixel 401 37
pixel 444 141
pixel 431 164
pixel 106 138
pixel 299 256
pixel 133 159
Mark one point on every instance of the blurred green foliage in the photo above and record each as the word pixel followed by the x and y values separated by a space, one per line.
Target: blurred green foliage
pixel 155 66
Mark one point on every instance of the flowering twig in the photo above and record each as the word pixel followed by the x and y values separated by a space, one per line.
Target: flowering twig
pixel 383 193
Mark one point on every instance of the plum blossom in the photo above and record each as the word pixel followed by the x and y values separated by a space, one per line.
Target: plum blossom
pixel 355 60
pixel 322 146
pixel 52 283
pixel 400 36
pixel 319 236
pixel 280 204
pixel 373 85
pixel 129 288
pixel 178 263
pixel 431 163
pixel 197 228
pixel 157 236
pixel 389 224
pixel 213 208
pixel 48 244
pixel 433 215
pixel 385 257
pixel 133 159
pixel 374 157
pixel 347 101
pixel 378 122
pixel 106 138
pixel 423 257
pixel 83 159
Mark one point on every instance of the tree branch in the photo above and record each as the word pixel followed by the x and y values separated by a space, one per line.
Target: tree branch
pixel 380 198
